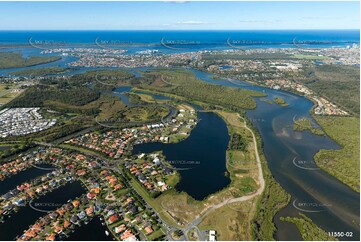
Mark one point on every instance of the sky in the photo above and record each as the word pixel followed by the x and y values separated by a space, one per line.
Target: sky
pixel 178 16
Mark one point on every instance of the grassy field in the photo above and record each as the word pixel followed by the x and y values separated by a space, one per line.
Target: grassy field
pixel 146 98
pixel 231 222
pixel 185 84
pixel 14 60
pixel 192 235
pixel 241 162
pixel 155 235
pixel 8 92
pixel 309 230
pixel 303 124
pixel 155 203
pixel 344 164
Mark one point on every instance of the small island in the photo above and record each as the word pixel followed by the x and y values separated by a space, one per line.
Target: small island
pixel 304 124
pixel 280 101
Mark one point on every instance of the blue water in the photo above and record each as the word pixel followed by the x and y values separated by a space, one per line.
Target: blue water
pixel 203 151
pixel 18 222
pixel 135 41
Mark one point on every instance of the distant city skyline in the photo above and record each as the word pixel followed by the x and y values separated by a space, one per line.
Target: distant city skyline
pixel 178 15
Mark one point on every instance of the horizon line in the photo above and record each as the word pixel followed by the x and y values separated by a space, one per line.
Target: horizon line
pixel 168 29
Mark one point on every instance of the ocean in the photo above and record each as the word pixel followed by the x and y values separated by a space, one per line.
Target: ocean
pixel 195 40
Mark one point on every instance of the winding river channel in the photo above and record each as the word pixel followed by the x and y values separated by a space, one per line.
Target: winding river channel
pixel 329 203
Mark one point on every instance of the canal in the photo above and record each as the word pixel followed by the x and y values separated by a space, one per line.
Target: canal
pixel 26 216
pixel 23 176
pixel 93 231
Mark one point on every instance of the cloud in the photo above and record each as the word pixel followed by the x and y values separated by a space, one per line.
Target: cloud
pixel 258 21
pixel 191 22
pixel 175 1
pixel 319 18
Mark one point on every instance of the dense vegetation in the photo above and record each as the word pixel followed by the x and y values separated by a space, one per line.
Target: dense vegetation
pixel 237 142
pixel 280 101
pixel 303 124
pixel 344 164
pixel 36 96
pixel 69 91
pixel 338 83
pixel 15 149
pixel 185 84
pixel 14 60
pixel 309 230
pixel 105 79
pixel 40 71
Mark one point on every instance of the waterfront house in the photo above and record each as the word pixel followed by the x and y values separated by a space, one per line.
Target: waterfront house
pixel 113 218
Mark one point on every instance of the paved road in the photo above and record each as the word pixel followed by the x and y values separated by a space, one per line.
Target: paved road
pixel 199 219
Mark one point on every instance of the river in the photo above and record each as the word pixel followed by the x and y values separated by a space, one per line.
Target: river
pixel 329 203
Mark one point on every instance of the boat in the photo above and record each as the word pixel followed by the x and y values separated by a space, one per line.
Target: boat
pixel 106 233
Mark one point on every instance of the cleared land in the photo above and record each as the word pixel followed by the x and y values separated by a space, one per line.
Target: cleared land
pixel 8 92
pixel 232 221
pixel 344 164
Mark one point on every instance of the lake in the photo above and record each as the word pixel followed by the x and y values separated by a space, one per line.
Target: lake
pixel 204 153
